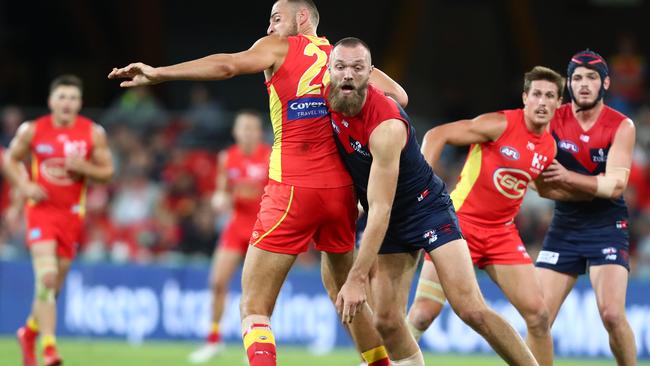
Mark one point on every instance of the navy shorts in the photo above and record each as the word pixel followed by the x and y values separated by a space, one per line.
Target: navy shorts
pixel 428 228
pixel 573 251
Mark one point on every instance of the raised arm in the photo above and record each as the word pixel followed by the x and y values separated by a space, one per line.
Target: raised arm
pixel 484 128
pixel 13 164
pixel 610 185
pixel 382 185
pixel 389 86
pixel 266 54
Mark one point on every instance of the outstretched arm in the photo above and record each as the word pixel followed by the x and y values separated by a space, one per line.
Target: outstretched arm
pixel 266 53
pixel 382 185
pixel 389 86
pixel 610 185
pixel 484 128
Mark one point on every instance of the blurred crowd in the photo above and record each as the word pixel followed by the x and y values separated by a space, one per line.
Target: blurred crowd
pixel 157 208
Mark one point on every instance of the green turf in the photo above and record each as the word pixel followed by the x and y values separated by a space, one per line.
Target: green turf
pixel 109 353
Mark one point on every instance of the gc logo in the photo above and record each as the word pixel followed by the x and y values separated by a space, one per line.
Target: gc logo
pixel 511 183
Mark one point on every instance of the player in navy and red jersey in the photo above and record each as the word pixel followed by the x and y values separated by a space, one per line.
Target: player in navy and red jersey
pixel 310 195
pixel 67 150
pixel 242 173
pixel 589 227
pixel 408 210
pixel 509 150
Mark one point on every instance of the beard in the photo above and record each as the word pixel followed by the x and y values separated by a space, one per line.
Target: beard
pixel 585 106
pixel 350 104
pixel 293 30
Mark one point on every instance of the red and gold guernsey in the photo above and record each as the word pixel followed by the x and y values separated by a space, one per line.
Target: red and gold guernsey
pixel 247 176
pixel 304 153
pixel 496 174
pixel 50 147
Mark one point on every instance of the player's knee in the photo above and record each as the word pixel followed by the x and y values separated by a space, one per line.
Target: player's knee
pixel 387 323
pixel 538 320
pixel 423 313
pixel 250 305
pixel 49 281
pixel 612 318
pixel 473 315
pixel 219 288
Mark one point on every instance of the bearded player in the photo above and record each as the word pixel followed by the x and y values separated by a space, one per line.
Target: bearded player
pixel 310 196
pixel 509 149
pixel 67 150
pixel 242 173
pixel 595 145
pixel 408 210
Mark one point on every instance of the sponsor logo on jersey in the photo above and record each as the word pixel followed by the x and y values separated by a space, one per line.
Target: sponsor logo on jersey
pixel 510 153
pixel 609 250
pixel 539 163
pixel 511 182
pixel 530 146
pixel 430 235
pixel 569 146
pixel 35 233
pixel 598 155
pixel 53 170
pixel 304 108
pixel 44 149
pixel 549 257
pixel 584 138
pixel 356 146
pixel 335 127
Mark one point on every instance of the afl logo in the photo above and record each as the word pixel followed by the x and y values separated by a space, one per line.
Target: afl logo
pixel 511 183
pixel 53 171
pixel 569 146
pixel 510 153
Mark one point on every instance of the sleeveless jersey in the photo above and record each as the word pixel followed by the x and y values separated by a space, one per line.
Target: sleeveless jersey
pixel 247 176
pixel 496 174
pixel 49 147
pixel 586 152
pixel 416 180
pixel 304 153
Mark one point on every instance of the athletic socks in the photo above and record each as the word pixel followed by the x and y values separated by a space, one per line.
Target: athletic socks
pixel 214 336
pixel 376 357
pixel 260 345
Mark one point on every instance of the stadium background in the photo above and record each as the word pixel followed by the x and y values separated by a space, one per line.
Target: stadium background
pixel 153 228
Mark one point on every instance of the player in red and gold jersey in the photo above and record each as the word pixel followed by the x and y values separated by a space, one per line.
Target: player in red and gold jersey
pixel 67 150
pixel 310 195
pixel 242 173
pixel 509 150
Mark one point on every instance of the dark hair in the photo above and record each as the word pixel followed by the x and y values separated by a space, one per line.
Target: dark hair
pixel 544 73
pixel 354 42
pixel 313 11
pixel 249 112
pixel 66 80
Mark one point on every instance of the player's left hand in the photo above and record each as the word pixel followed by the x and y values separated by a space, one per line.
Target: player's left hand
pixel 139 73
pixel 556 173
pixel 350 299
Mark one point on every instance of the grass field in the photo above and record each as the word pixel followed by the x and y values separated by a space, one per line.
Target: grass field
pixel 108 353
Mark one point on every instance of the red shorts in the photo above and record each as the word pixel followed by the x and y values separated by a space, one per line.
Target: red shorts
pixel 236 236
pixel 494 245
pixel 290 217
pixel 60 226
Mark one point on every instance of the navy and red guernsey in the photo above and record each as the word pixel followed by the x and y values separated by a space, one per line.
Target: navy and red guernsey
pixel 585 152
pixel 416 178
pixel 422 216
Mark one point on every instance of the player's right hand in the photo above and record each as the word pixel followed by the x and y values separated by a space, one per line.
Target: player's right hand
pixel 139 73
pixel 33 192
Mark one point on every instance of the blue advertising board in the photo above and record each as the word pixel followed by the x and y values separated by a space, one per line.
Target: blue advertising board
pixel 143 302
